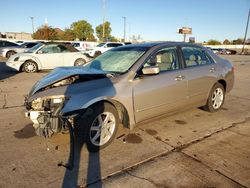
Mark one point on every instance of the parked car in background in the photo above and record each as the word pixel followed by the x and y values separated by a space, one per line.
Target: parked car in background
pixel 46 56
pixel 230 51
pixel 84 45
pixel 217 50
pixel 127 85
pixel 103 47
pixel 9 51
pixel 4 43
pixel 223 51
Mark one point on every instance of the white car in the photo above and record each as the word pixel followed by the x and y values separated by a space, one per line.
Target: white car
pixel 9 51
pixel 47 56
pixel 84 45
pixel 103 47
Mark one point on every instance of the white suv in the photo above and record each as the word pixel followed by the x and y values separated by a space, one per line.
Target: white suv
pixel 83 45
pixel 103 47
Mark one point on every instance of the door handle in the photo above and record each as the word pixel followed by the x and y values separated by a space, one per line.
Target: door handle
pixel 179 78
pixel 212 70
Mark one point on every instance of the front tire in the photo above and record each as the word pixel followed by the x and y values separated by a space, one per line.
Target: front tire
pixel 216 98
pixel 30 66
pixel 98 126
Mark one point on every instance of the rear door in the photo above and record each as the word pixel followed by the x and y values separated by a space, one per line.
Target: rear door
pixel 157 94
pixel 201 73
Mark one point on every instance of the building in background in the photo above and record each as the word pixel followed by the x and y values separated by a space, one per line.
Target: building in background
pixel 15 36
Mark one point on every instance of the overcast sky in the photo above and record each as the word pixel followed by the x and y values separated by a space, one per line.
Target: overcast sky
pixel 152 19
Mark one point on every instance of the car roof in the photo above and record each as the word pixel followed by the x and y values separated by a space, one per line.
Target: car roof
pixel 161 43
pixel 68 46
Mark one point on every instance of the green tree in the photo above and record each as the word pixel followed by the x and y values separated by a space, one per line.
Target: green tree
pixel 238 41
pixel 68 34
pixel 45 33
pixel 107 31
pixel 83 30
pixel 112 39
pixel 226 42
pixel 213 42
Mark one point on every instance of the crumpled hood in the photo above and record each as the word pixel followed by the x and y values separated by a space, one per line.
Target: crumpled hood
pixel 61 73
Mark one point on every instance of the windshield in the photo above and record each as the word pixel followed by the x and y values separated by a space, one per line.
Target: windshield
pixel 101 44
pixel 23 45
pixel 117 60
pixel 34 48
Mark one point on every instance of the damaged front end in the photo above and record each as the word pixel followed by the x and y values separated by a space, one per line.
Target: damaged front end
pixel 44 113
pixel 50 94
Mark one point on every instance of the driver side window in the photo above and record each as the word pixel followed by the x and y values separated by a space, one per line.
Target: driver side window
pixel 50 49
pixel 165 59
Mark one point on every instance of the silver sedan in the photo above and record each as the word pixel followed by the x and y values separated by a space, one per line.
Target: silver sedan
pixel 128 85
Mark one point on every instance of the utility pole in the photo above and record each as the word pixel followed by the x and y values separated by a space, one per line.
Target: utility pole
pixel 32 22
pixel 244 42
pixel 124 37
pixel 184 37
pixel 103 21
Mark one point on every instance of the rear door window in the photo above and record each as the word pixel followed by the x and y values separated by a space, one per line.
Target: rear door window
pixel 195 56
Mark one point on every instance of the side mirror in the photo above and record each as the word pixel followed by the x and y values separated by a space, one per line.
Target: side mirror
pixel 151 70
pixel 40 52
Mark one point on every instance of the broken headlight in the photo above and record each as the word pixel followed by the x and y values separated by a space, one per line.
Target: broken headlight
pixel 48 102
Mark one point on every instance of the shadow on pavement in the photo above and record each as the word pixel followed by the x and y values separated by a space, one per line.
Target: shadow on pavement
pixel 93 175
pixel 5 71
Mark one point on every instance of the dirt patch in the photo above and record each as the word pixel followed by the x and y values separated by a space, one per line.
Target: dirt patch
pixel 152 132
pixel 132 138
pixel 181 122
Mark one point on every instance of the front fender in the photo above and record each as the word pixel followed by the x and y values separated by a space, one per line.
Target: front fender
pixel 70 110
pixel 33 58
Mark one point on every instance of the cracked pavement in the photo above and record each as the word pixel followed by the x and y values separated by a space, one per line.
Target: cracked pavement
pixel 192 148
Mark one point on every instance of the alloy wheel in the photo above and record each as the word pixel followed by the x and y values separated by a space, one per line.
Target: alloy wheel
pixel 217 98
pixel 102 129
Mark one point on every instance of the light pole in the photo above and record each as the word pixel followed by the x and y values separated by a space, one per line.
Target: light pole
pixel 124 37
pixel 103 21
pixel 246 32
pixel 32 22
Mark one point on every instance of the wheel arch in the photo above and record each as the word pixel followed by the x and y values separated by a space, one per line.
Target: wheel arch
pixel 121 109
pixel 223 83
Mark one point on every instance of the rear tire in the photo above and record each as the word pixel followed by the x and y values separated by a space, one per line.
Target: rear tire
pixel 10 53
pixel 216 98
pixel 80 62
pixel 98 126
